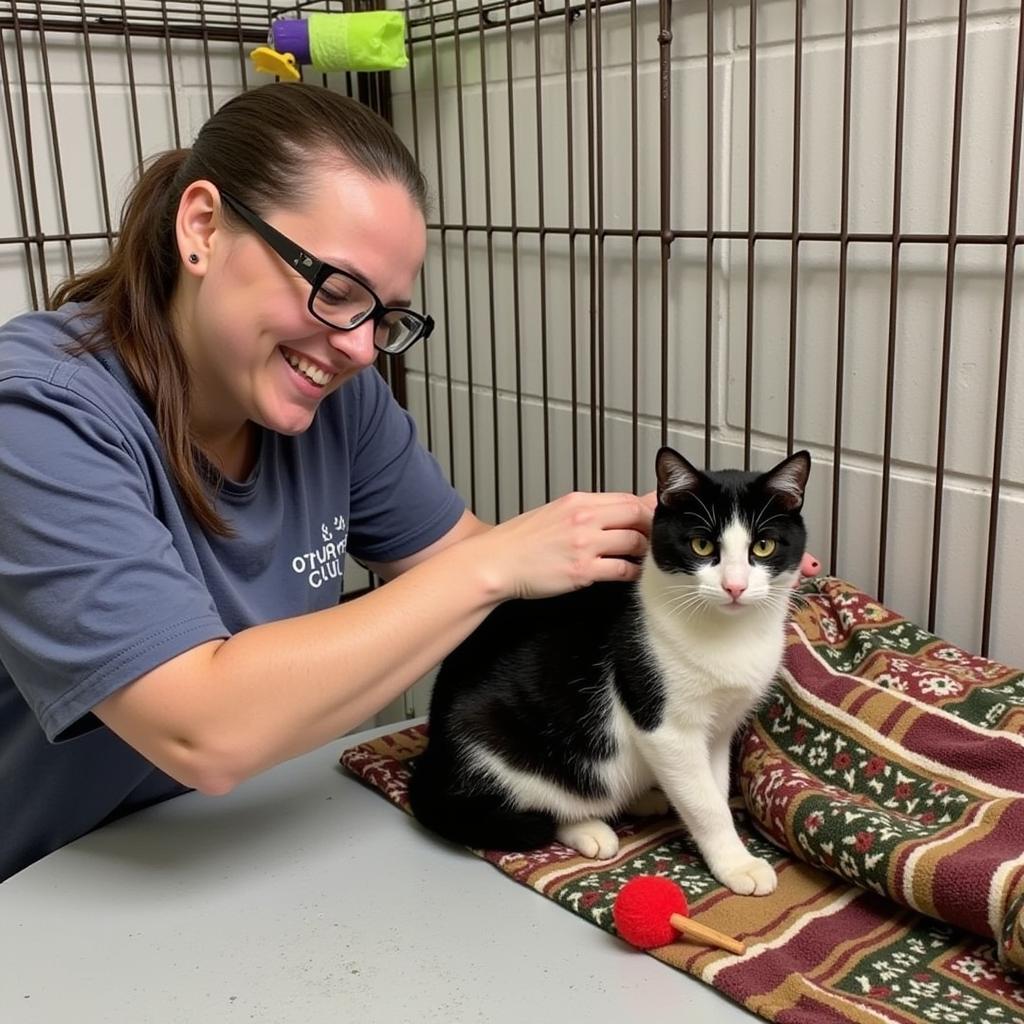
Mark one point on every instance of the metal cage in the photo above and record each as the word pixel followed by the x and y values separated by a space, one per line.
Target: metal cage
pixel 736 227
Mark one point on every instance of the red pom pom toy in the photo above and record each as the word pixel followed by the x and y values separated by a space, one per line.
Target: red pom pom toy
pixel 650 910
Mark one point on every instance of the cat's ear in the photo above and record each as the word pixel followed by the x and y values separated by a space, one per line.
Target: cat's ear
pixel 788 480
pixel 675 475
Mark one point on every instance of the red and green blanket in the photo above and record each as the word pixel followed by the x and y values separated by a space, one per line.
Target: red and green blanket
pixel 885 782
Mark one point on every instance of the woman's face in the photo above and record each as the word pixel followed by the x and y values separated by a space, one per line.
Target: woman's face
pixel 248 323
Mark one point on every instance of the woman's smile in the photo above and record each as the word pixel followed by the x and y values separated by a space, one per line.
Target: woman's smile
pixel 308 369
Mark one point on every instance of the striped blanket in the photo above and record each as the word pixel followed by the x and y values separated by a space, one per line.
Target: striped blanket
pixel 885 782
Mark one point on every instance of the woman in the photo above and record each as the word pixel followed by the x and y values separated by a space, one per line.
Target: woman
pixel 192 440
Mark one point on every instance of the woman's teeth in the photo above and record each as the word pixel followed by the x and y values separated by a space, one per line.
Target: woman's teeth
pixel 308 370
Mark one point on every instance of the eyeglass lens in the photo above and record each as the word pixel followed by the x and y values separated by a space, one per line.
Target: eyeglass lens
pixel 344 302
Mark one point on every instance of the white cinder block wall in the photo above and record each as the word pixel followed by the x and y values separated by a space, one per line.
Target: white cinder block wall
pixel 460 353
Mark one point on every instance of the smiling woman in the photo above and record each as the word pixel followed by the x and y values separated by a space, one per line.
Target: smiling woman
pixel 194 437
pixel 190 264
pixel 272 329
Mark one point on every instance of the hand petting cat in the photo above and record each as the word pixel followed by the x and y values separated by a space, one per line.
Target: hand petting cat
pixel 567 544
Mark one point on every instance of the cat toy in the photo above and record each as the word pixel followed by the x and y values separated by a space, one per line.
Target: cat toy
pixel 363 41
pixel 651 911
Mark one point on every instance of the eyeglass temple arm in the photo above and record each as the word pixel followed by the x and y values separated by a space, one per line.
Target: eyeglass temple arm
pixel 306 265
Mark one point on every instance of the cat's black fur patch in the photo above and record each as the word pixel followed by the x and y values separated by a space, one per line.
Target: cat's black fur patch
pixel 531 683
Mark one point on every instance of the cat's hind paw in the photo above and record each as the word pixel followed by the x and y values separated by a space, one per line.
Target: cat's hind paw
pixel 753 876
pixel 593 839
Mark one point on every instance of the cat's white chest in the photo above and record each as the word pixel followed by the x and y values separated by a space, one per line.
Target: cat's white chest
pixel 730 661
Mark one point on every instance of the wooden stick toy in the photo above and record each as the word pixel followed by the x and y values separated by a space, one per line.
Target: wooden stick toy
pixel 650 910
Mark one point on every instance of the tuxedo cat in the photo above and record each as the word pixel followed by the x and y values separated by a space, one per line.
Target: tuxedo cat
pixel 558 714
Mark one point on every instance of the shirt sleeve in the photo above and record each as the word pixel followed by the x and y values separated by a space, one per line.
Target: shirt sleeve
pixel 93 593
pixel 400 499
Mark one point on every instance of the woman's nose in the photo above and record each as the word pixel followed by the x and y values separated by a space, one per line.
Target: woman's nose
pixel 357 344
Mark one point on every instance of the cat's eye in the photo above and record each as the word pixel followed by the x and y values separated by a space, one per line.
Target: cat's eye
pixel 702 546
pixel 764 548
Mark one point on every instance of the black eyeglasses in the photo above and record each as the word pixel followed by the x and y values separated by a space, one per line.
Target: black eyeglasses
pixel 337 298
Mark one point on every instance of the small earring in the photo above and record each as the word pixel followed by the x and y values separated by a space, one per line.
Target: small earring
pixel 193 258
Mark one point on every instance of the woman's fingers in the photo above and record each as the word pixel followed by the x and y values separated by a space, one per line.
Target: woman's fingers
pixel 809 566
pixel 623 544
pixel 615 570
pixel 570 543
pixel 623 511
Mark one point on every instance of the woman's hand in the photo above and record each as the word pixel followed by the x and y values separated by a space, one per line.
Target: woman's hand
pixel 809 566
pixel 576 540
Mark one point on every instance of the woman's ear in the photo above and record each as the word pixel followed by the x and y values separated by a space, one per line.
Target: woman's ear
pixel 196 225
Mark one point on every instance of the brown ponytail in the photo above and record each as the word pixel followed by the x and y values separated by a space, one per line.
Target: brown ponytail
pixel 132 292
pixel 299 127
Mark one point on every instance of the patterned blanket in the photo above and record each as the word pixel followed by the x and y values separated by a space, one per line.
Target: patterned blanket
pixel 888 772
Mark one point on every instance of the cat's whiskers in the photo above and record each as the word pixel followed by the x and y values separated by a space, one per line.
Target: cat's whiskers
pixel 757 520
pixel 770 603
pixel 674 587
pixel 690 611
pixel 701 519
pixel 678 599
pixel 797 595
pixel 771 519
pixel 712 515
pixel 689 604
pixel 783 595
pixel 795 598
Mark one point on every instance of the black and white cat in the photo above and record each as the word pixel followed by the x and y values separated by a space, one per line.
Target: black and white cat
pixel 558 714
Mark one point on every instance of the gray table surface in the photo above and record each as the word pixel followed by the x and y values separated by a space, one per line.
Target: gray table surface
pixel 305 897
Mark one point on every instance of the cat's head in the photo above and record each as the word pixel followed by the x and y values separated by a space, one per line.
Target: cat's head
pixel 739 536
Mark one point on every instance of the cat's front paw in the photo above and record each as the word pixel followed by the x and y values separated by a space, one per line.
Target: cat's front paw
pixel 753 876
pixel 593 839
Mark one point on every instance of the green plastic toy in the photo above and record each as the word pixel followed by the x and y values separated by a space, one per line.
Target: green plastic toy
pixel 367 41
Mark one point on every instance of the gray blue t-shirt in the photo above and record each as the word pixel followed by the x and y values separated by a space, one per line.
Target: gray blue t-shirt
pixel 104 574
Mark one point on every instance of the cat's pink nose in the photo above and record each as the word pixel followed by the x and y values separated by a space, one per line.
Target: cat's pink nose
pixel 734 590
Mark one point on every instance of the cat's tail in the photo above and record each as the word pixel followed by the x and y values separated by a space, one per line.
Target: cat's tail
pixel 481 819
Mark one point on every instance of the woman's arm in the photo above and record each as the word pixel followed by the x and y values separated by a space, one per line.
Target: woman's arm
pixel 227 709
pixel 467 526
